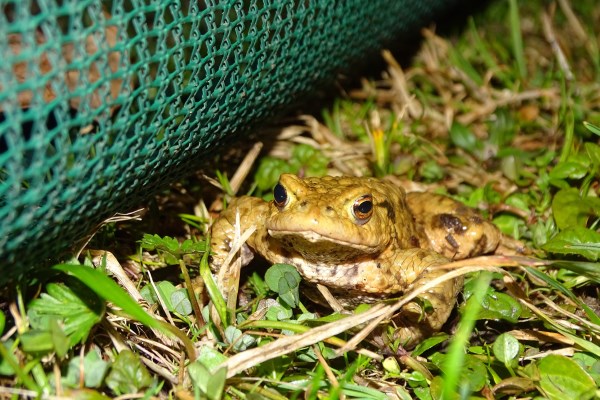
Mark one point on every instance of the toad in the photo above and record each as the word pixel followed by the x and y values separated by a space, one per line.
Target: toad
pixel 364 239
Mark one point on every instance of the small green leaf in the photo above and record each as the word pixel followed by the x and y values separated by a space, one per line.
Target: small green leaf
pixel 593 151
pixel 60 341
pixel 496 305
pixel 475 197
pixel 211 358
pixel 210 384
pixel 423 393
pixel 181 302
pixel 391 366
pixel 429 343
pixel 592 128
pixel 473 372
pixel 506 348
pixel 258 284
pixel 277 272
pixel 165 290
pixel 576 240
pixel 148 294
pixel 417 379
pixel 232 334
pixel 461 62
pixel 289 291
pixel 590 364
pixel 278 313
pixel 561 378
pixel 310 160
pixel 586 361
pixel 285 280
pixel 72 305
pixel 239 340
pixel 156 242
pixel 519 200
pixel 168 247
pixel 6 364
pixel 171 244
pixel 37 342
pixel 94 370
pixel 150 242
pixel 307 317
pixel 268 172
pixel 106 288
pixel 352 390
pixel 474 375
pixel 569 170
pixel 570 209
pixel 278 367
pixel 190 246
pixel 509 224
pixel 431 171
pixel 463 137
pixel 170 258
pixel 128 374
pixel 176 300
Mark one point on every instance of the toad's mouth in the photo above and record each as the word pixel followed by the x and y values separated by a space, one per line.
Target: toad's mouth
pixel 297 239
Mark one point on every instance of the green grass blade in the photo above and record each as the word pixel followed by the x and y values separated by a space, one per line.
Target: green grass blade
pixel 19 372
pixel 567 146
pixel 486 55
pixel 517 38
pixel 211 287
pixel 107 289
pixel 456 353
pixel 564 290
pixel 465 66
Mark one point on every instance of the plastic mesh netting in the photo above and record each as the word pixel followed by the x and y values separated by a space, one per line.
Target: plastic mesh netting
pixel 104 102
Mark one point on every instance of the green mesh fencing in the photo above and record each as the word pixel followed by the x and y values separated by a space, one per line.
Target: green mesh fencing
pixel 104 102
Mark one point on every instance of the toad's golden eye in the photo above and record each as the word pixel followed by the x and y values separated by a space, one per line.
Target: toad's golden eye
pixel 363 208
pixel 280 196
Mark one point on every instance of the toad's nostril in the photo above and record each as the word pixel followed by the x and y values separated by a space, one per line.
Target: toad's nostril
pixel 329 210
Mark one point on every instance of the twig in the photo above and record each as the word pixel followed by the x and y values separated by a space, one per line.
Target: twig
pixel 288 344
pixel 242 172
pixel 556 49
pixel 565 6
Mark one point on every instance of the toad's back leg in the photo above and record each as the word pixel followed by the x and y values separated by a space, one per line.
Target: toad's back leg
pixel 453 229
pixel 418 267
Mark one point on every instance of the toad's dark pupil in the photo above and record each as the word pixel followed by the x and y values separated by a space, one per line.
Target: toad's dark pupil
pixel 365 207
pixel 279 194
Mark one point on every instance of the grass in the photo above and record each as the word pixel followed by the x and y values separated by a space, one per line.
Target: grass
pixel 502 116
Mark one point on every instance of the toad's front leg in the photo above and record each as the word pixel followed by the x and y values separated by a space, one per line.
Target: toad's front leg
pixel 414 322
pixel 253 212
